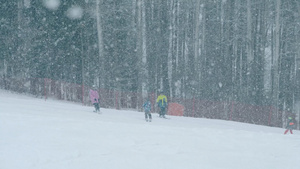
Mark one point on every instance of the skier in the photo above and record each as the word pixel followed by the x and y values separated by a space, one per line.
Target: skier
pixel 147 109
pixel 290 125
pixel 162 104
pixel 94 96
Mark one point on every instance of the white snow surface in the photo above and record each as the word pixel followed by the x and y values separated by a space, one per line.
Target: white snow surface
pixel 39 134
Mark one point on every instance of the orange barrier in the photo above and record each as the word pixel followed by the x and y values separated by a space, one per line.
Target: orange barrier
pixel 175 109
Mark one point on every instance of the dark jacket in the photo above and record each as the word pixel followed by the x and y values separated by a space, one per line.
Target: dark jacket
pixel 290 124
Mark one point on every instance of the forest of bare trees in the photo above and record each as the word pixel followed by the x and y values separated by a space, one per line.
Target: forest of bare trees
pixel 223 50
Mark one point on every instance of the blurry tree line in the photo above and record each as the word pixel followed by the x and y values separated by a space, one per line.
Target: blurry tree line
pixel 224 50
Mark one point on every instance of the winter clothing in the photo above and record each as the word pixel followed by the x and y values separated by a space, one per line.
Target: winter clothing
pixel 290 125
pixel 162 104
pixel 161 100
pixel 147 108
pixel 94 96
pixel 97 107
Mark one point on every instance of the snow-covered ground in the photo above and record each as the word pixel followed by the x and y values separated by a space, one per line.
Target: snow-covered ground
pixel 39 134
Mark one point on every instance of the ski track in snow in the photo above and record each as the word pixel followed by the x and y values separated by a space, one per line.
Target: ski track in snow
pixel 39 134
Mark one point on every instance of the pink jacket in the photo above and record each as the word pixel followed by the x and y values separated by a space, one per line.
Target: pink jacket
pixel 94 95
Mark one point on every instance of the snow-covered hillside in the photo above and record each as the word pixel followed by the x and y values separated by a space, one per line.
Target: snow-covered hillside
pixel 39 134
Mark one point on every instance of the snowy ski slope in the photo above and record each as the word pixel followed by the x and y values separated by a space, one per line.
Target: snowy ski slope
pixel 39 134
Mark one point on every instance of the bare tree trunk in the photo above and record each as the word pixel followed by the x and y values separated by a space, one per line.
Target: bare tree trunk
pixel 177 88
pixel 100 45
pixel 19 44
pixel 237 5
pixel 197 25
pixel 297 75
pixel 276 57
pixel 141 48
pixel 185 57
pixel 203 39
pixel 249 34
pixel 20 13
pixel 249 48
pixel 170 53
pixel 145 84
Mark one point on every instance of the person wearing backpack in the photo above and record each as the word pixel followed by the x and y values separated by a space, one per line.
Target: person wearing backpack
pixel 162 104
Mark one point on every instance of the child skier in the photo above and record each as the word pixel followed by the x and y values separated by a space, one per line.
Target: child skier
pixel 147 109
pixel 94 96
pixel 290 125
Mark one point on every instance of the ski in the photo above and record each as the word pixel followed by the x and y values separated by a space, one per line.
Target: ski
pixel 98 112
pixel 164 117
